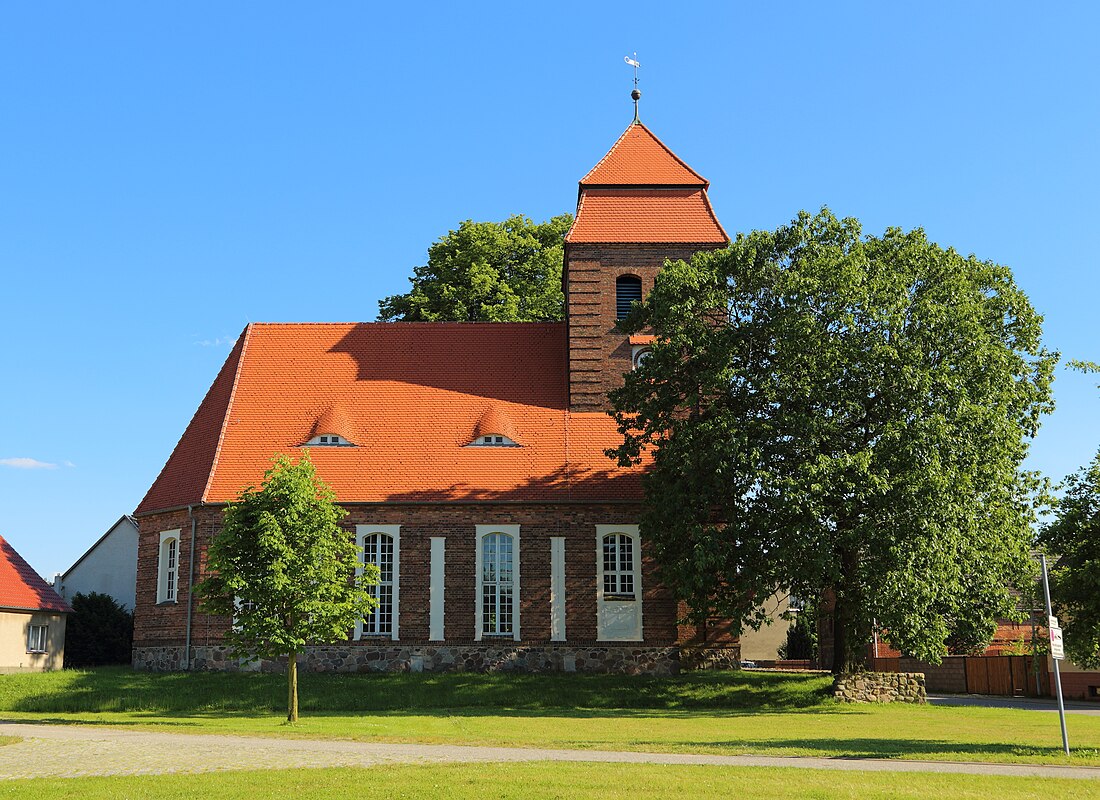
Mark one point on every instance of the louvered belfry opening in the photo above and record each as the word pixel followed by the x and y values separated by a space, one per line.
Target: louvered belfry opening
pixel 628 291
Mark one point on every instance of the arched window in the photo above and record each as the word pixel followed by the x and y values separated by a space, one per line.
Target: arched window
pixel 378 550
pixel 618 565
pixel 497 579
pixel 628 291
pixel 168 567
pixel 380 545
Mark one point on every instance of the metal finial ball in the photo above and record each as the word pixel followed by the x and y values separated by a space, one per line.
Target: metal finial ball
pixel 635 95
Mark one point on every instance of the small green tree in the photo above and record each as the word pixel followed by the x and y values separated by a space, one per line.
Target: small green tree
pixel 488 272
pixel 1073 539
pixel 283 567
pixel 99 631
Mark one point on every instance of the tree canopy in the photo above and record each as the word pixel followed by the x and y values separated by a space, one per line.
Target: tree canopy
pixel 1074 541
pixel 845 416
pixel 488 272
pixel 285 571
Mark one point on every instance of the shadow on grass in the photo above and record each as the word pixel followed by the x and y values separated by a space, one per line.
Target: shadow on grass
pixel 123 690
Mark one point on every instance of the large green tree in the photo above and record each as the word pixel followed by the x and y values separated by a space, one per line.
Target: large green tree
pixel 845 416
pixel 1073 539
pixel 488 272
pixel 285 570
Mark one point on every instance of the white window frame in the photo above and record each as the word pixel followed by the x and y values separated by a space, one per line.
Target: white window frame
pixel 618 574
pixel 168 590
pixel 493 440
pixel 606 603
pixel 38 635
pixel 481 531
pixel 394 532
pixel 329 440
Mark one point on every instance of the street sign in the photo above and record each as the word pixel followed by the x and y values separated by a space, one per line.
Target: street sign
pixel 1056 649
pixel 1052 622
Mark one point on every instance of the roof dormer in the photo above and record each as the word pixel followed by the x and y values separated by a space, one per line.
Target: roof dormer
pixel 331 429
pixel 494 429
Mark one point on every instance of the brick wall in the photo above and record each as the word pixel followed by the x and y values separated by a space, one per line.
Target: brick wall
pixel 598 355
pixel 160 626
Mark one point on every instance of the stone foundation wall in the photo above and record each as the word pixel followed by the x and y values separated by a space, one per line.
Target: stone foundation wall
pixel 728 657
pixel 430 658
pixel 880 687
pixel 158 659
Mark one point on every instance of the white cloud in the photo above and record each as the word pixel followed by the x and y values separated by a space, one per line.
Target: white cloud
pixel 68 463
pixel 218 341
pixel 26 463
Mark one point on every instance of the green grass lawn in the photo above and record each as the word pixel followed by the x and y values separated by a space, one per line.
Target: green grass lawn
pixel 542 780
pixel 709 712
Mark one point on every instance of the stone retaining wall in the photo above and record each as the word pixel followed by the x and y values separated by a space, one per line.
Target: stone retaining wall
pixel 434 658
pixel 880 687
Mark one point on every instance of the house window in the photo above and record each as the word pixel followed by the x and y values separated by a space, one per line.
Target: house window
pixel 618 565
pixel 168 567
pixel 619 583
pixel 378 550
pixel 628 291
pixel 329 440
pixel 494 440
pixel 381 545
pixel 241 606
pixel 36 638
pixel 497 581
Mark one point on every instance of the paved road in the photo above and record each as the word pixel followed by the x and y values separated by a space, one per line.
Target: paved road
pixel 76 751
pixel 1025 703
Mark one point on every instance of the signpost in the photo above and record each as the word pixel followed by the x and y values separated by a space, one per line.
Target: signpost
pixel 1057 653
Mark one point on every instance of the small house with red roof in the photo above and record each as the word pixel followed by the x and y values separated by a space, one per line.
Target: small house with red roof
pixel 32 617
pixel 470 457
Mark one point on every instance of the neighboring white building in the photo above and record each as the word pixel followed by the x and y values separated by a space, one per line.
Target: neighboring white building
pixel 109 566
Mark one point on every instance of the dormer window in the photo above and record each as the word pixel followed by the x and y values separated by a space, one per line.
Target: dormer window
pixel 329 440
pixel 493 440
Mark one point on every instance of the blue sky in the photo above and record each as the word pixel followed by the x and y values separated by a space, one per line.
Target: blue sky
pixel 170 173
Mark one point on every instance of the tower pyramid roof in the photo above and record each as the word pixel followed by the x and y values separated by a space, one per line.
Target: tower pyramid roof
pixel 641 192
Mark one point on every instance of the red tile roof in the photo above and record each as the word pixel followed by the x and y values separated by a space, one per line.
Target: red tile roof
pixel 414 392
pixel 640 158
pixel 641 192
pixel 646 215
pixel 23 588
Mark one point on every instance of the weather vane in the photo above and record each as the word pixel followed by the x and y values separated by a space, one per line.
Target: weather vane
pixel 635 95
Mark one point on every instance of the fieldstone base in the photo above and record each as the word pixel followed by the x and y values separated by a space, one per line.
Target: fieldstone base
pixel 429 658
pixel 880 687
pixel 711 657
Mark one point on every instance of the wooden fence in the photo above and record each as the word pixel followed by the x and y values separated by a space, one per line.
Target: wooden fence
pixel 1009 676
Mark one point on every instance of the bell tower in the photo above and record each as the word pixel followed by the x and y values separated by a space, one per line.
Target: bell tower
pixel 639 206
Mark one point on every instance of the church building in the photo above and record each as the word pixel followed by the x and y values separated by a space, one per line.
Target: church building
pixel 470 457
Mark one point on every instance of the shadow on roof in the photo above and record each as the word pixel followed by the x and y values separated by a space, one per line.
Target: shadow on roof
pixel 566 484
pixel 514 362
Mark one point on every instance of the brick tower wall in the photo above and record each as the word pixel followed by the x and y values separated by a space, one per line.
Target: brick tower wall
pixel 599 356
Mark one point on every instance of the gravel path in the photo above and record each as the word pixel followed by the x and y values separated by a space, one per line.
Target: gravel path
pixel 74 751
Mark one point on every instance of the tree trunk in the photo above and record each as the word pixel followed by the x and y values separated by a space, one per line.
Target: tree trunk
pixel 292 687
pixel 840 638
pixel 847 595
